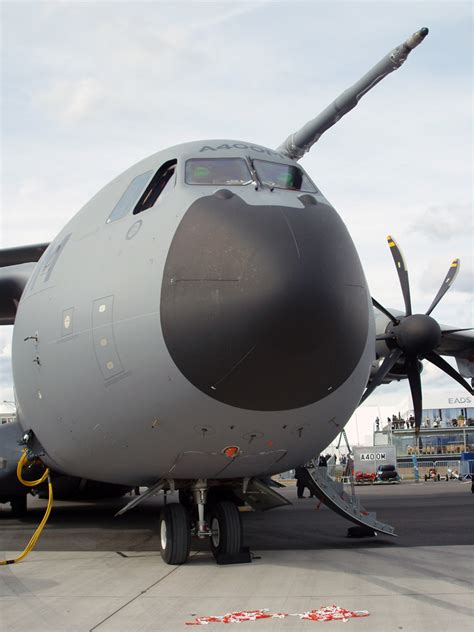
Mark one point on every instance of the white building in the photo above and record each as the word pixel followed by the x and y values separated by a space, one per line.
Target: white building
pixel 448 405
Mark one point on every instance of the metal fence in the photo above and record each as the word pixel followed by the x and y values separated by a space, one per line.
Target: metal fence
pixel 462 469
pixel 455 469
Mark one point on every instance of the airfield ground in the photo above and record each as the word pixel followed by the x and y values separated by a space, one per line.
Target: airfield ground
pixel 91 571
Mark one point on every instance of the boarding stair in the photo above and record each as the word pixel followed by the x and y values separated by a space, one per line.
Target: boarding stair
pixel 333 495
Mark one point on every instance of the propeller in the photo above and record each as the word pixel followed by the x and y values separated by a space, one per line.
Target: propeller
pixel 414 337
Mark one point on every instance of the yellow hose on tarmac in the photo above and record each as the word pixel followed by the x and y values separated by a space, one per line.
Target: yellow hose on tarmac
pixel 37 533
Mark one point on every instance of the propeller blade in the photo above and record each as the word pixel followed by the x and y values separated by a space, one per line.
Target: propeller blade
pixel 384 311
pixel 384 369
pixel 455 331
pixel 415 388
pixel 384 337
pixel 446 284
pixel 402 273
pixel 441 363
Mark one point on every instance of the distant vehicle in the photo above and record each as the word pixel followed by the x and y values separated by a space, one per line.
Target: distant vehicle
pixel 452 475
pixel 433 475
pixel 386 474
pixel 364 477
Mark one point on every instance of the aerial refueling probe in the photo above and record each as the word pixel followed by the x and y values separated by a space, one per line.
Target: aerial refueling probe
pixel 297 144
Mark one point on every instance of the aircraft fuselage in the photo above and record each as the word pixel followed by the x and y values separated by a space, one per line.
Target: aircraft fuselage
pixel 219 315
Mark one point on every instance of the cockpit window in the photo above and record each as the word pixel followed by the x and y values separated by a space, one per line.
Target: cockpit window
pixel 130 196
pixel 162 184
pixel 227 171
pixel 280 176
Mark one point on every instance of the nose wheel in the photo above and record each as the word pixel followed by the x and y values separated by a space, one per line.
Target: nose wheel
pixel 226 531
pixel 175 534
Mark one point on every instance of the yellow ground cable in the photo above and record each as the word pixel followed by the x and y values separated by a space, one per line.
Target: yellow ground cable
pixel 37 533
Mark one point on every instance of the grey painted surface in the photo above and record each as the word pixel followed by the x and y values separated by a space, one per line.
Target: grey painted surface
pixel 94 379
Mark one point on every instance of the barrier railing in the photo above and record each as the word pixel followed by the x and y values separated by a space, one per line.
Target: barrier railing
pixel 451 469
pixel 464 468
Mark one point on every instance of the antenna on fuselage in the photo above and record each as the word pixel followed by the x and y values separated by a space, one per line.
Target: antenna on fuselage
pixel 297 144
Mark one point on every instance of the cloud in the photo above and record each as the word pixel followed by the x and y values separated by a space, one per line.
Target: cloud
pixel 72 101
pixel 444 222
pixel 6 350
pixel 42 195
pixel 432 277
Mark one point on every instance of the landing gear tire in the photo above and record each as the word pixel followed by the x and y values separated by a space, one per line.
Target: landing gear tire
pixel 226 530
pixel 175 534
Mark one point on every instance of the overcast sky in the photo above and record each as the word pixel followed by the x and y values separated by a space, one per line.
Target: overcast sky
pixel 89 88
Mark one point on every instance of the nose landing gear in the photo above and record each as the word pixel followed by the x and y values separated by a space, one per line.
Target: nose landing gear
pixel 206 517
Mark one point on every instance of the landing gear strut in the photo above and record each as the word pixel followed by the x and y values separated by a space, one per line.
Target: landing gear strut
pixel 204 516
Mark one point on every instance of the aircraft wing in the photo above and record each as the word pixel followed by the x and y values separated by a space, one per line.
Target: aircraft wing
pixel 459 343
pixel 21 254
pixel 16 267
pixel 461 346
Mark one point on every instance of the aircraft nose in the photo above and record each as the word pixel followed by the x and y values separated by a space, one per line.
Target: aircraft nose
pixel 264 307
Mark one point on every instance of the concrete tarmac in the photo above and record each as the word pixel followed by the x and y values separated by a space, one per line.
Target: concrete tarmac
pixel 90 571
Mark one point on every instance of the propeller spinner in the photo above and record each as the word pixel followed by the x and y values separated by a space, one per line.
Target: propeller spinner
pixel 414 337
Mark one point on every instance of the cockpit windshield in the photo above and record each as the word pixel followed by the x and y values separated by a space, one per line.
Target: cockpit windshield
pixel 227 171
pixel 280 176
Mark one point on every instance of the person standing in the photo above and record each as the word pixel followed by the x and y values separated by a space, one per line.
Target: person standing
pixel 299 482
pixel 300 473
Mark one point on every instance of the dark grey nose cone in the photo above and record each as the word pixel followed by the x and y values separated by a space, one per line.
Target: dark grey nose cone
pixel 263 307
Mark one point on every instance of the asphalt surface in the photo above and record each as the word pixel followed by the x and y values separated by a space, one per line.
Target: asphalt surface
pixel 424 514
